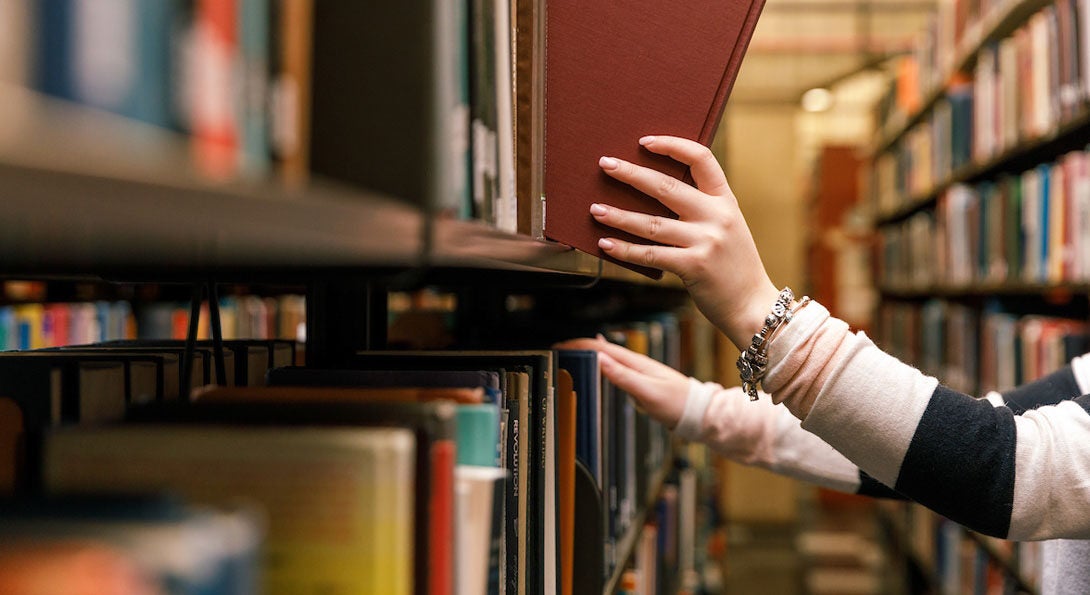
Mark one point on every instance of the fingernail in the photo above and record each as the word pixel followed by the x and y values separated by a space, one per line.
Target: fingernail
pixel 605 244
pixel 608 163
pixel 600 337
pixel 597 210
pixel 647 140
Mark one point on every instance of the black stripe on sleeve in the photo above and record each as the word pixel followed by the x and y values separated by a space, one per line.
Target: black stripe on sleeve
pixel 1048 390
pixel 960 462
pixel 1084 402
pixel 869 486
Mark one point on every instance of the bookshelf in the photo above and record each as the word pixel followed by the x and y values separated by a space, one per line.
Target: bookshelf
pixel 626 547
pixel 100 208
pixel 969 265
pixel 1068 136
pixel 87 195
pixel 1002 19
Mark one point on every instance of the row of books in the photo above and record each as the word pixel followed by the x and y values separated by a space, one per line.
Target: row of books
pixel 451 97
pixel 236 76
pixel 233 74
pixel 669 550
pixel 358 482
pixel 952 29
pixel 33 325
pixel 957 561
pixel 127 546
pixel 980 351
pixel 1023 87
pixel 241 317
pixel 1029 228
pixel 40 325
pixel 97 382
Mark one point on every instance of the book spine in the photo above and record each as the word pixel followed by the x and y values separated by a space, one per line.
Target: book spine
pixel 513 492
pixel 441 523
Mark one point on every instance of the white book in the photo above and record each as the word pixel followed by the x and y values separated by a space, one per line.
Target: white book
pixel 1042 101
pixel 507 201
pixel 1081 217
pixel 105 50
pixel 1082 8
pixel 686 521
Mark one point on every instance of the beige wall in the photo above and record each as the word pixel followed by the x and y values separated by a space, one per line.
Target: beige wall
pixel 762 169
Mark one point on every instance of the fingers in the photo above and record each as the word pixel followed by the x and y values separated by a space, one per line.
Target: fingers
pixel 627 379
pixel 676 195
pixel 657 257
pixel 663 230
pixel 624 356
pixel 657 396
pixel 706 171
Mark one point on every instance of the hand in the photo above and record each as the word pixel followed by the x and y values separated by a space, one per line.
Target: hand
pixel 709 246
pixel 659 389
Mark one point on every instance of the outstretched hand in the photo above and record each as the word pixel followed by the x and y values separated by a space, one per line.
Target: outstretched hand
pixel 659 389
pixel 709 246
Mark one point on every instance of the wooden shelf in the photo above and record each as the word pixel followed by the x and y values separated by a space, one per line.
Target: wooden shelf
pixel 83 192
pixel 1002 22
pixel 1065 137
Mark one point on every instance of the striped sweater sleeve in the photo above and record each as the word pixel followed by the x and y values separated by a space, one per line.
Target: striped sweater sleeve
pixel 1016 474
pixel 767 435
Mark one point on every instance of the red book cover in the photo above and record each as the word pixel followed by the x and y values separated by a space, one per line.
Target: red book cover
pixel 619 71
pixel 441 567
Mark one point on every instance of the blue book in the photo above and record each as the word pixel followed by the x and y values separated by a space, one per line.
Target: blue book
pixel 583 367
pixel 157 32
pixel 54 64
pixel 1045 171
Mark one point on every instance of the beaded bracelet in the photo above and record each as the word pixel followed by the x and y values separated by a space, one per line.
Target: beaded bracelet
pixel 753 362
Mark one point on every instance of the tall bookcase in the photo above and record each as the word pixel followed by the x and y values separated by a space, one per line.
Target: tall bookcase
pixel 979 192
pixel 90 195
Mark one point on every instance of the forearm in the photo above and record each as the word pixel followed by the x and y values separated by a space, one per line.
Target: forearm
pixel 767 435
pixel 980 465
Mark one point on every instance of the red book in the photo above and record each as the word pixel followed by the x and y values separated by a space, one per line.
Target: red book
pixel 619 71
pixel 215 130
pixel 441 523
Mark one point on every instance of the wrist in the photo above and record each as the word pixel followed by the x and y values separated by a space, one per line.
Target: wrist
pixel 751 317
pixel 753 362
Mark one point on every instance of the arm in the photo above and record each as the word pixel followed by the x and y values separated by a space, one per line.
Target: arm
pixel 760 433
pixel 1008 475
pixel 1019 476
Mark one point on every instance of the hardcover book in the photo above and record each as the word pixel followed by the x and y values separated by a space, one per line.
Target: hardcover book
pixel 658 68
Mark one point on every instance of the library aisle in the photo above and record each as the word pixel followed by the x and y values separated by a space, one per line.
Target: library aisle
pixel 284 286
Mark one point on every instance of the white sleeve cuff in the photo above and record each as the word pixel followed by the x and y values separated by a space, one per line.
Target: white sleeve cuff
pixel 1080 367
pixel 804 324
pixel 996 399
pixel 691 425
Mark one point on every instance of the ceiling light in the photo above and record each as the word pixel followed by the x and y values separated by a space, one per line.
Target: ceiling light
pixel 817 100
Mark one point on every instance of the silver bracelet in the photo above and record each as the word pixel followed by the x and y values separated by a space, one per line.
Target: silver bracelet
pixel 753 362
